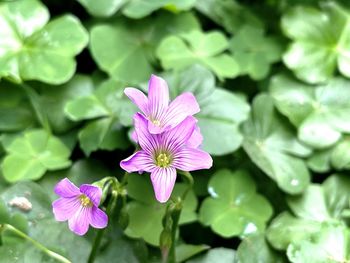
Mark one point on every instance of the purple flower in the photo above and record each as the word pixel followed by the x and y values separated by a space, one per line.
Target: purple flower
pixel 162 154
pixel 79 206
pixel 160 114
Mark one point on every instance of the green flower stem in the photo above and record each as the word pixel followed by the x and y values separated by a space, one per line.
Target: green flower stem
pixel 175 216
pixel 36 243
pixel 98 239
pixel 174 210
pixel 35 102
pixel 190 182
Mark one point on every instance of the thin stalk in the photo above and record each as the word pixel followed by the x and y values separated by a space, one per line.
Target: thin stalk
pixel 36 243
pixel 190 183
pixel 175 218
pixel 98 239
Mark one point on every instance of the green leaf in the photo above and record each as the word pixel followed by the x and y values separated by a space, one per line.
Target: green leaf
pixel 21 251
pixel 119 46
pixel 145 205
pixel 35 49
pixel 117 49
pixel 109 110
pixel 36 151
pixel 320 113
pixel 140 8
pixel 15 111
pixel 310 205
pixel 186 251
pixel 337 194
pixel 253 59
pixel 222 255
pixel 178 52
pixel 255 249
pixel 42 226
pixel 102 8
pixel 340 157
pixel 286 229
pixel 225 111
pixel 321 42
pixel 273 147
pixel 55 99
pixel 229 14
pixel 219 108
pixel 234 208
pixel 329 245
pixel 320 161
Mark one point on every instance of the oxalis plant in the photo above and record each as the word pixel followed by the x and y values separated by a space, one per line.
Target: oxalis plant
pixel 156 131
pixel 169 138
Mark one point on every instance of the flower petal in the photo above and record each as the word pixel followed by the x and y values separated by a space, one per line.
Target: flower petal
pixel 138 162
pixel 93 192
pixel 196 138
pixel 158 97
pixel 147 141
pixel 163 180
pixel 98 218
pixel 79 223
pixel 134 136
pixel 65 188
pixel 178 136
pixel 138 98
pixel 183 106
pixel 190 159
pixel 65 208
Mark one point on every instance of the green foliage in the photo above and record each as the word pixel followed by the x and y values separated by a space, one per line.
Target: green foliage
pixel 234 208
pixel 206 49
pixel 273 146
pixel 146 213
pixel 33 49
pixel 272 82
pixel 321 42
pixel 30 155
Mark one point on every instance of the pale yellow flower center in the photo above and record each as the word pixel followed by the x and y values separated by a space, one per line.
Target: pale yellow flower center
pixel 85 201
pixel 163 160
pixel 156 122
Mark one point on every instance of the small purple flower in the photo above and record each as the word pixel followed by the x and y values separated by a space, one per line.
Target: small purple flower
pixel 79 206
pixel 160 114
pixel 162 154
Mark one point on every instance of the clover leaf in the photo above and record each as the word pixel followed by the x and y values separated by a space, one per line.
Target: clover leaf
pixel 108 111
pixel 321 42
pixel 320 113
pixel 229 14
pixel 317 206
pixel 36 151
pixel 273 147
pixel 234 208
pixel 120 46
pixel 33 49
pixel 102 8
pixel 254 59
pixel 178 52
pixel 256 249
pixel 221 109
pixel 218 254
pixel 146 214
pixel 331 244
pixel 140 8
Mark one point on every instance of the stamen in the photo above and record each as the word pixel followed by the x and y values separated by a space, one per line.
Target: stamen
pixel 163 160
pixel 156 122
pixel 85 201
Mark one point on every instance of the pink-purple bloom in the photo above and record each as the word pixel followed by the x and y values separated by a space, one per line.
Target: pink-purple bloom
pixel 161 154
pixel 79 206
pixel 162 115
